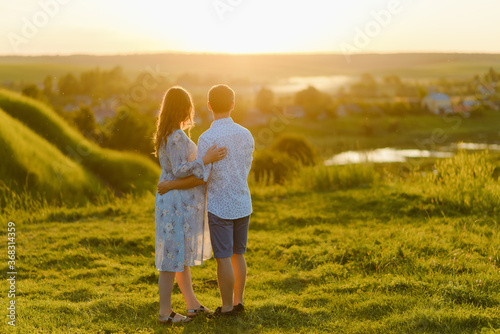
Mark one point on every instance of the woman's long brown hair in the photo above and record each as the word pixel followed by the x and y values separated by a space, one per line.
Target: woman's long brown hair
pixel 177 112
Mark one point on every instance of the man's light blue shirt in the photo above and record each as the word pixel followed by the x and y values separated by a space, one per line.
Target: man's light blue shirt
pixel 228 193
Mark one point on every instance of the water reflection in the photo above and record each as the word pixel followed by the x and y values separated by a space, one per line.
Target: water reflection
pixel 323 83
pixel 399 155
pixel 475 146
pixel 383 155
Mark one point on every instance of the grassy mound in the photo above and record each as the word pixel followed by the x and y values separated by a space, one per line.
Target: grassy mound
pixel 31 162
pixel 122 171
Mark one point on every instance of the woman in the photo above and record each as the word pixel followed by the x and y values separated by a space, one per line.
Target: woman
pixel 181 232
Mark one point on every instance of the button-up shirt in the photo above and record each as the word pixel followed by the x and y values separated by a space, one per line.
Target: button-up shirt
pixel 228 194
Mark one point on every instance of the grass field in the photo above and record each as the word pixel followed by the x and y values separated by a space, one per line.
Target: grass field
pixel 382 255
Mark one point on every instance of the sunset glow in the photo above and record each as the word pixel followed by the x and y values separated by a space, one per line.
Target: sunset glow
pixel 238 26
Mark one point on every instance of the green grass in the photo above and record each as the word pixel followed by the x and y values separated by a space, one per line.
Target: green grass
pixel 31 164
pixel 372 257
pixel 123 172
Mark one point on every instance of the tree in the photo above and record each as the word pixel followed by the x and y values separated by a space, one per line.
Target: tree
pixel 368 80
pixel 265 100
pixel 91 82
pixel 48 84
pixel 392 80
pixel 365 87
pixel 68 85
pixel 492 75
pixel 313 101
pixel 115 81
pixel 84 120
pixel 32 91
pixel 130 130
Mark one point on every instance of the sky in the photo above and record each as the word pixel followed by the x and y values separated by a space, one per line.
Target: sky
pixel 51 27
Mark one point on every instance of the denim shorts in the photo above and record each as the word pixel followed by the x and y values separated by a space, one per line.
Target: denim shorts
pixel 228 236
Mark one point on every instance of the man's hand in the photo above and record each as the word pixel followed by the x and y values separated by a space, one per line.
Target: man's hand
pixel 164 187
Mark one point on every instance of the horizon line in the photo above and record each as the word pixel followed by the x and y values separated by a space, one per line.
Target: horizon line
pixel 188 53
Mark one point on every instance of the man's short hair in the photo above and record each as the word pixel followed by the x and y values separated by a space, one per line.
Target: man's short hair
pixel 221 98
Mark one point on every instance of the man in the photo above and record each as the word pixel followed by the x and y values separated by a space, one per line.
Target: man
pixel 228 198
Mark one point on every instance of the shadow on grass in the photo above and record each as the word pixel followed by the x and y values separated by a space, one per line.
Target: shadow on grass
pixel 78 295
pixel 382 203
pixel 151 278
pixel 290 284
pixel 76 261
pixel 278 317
pixel 119 246
pixel 448 322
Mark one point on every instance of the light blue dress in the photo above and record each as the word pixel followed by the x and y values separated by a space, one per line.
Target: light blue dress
pixel 182 236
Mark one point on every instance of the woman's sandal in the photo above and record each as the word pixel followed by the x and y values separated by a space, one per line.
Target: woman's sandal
pixel 170 319
pixel 195 312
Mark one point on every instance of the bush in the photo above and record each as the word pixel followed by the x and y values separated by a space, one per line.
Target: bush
pixel 297 148
pixel 130 130
pixel 273 167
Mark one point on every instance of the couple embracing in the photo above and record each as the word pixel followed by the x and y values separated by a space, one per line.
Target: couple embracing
pixel 203 202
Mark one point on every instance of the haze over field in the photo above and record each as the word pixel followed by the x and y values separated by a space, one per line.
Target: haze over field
pixel 254 68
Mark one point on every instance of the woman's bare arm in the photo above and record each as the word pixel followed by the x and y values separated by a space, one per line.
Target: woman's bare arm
pixel 184 183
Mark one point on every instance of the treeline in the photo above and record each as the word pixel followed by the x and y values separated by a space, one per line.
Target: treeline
pixel 95 83
pixel 117 112
pixel 392 85
pixel 128 130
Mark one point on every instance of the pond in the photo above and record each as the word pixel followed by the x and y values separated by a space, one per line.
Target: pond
pixel 323 83
pixel 388 154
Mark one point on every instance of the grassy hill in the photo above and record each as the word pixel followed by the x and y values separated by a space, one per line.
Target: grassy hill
pixel 32 133
pixel 30 163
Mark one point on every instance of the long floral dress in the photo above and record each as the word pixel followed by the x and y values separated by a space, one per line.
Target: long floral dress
pixel 181 225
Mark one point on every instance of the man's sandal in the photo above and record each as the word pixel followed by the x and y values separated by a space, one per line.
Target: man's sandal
pixel 170 319
pixel 200 310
